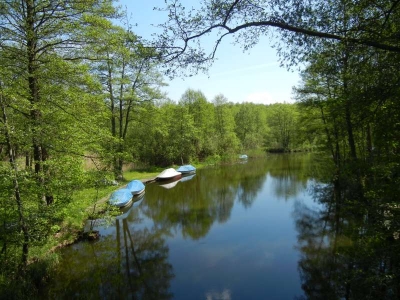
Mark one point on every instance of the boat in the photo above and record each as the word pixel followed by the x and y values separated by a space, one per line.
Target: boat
pixel 243 156
pixel 136 187
pixel 127 209
pixel 169 174
pixel 121 198
pixel 186 169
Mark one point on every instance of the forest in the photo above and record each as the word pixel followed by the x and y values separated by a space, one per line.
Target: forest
pixel 81 99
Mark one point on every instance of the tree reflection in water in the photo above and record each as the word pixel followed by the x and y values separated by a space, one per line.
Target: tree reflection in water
pixel 348 250
pixel 133 265
pixel 192 207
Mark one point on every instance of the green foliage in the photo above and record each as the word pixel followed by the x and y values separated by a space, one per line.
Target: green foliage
pixel 251 125
pixel 282 121
pixel 129 79
pixel 52 116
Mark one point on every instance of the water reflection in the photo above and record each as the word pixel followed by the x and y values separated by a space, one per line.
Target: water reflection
pixel 206 198
pixel 292 173
pixel 187 177
pixel 222 234
pixel 348 251
pixel 130 263
pixel 169 184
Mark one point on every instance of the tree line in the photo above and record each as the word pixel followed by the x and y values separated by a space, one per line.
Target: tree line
pixel 194 129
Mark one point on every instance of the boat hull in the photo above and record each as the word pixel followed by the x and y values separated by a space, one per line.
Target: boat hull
pixel 169 174
pixel 176 177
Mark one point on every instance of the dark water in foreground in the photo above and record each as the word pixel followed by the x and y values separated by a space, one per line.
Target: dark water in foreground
pixel 245 231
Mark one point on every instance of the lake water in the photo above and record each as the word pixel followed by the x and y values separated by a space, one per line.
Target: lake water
pixel 229 232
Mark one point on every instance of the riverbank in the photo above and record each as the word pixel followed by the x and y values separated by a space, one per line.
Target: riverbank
pixel 91 203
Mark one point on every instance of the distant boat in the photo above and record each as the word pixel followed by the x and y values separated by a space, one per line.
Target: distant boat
pixel 186 169
pixel 169 174
pixel 136 187
pixel 243 156
pixel 121 198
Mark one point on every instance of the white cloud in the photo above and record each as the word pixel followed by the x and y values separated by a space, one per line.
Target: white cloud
pixel 260 98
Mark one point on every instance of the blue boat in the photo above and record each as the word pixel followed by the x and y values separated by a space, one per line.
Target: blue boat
pixel 186 169
pixel 136 187
pixel 121 197
pixel 243 156
pixel 127 210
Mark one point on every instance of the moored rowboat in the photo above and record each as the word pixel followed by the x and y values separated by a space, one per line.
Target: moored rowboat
pixel 169 174
pixel 136 187
pixel 186 169
pixel 121 197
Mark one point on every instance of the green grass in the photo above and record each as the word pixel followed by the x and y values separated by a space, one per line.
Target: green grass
pixel 84 203
pixel 142 174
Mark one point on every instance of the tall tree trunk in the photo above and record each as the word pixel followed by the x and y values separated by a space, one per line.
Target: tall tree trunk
pixel 113 113
pixel 328 135
pixel 349 124
pixel 22 222
pixel 34 99
pixel 369 141
pixel 350 134
pixel 122 130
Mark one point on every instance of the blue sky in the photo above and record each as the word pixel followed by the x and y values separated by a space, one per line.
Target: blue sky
pixel 252 76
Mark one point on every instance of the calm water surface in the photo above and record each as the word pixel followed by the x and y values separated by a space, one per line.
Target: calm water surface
pixel 227 233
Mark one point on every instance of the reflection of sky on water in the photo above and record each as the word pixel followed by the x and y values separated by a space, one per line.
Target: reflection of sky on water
pixel 252 255
pixel 214 295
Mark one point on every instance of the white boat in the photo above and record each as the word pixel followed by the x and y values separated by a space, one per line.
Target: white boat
pixel 168 174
